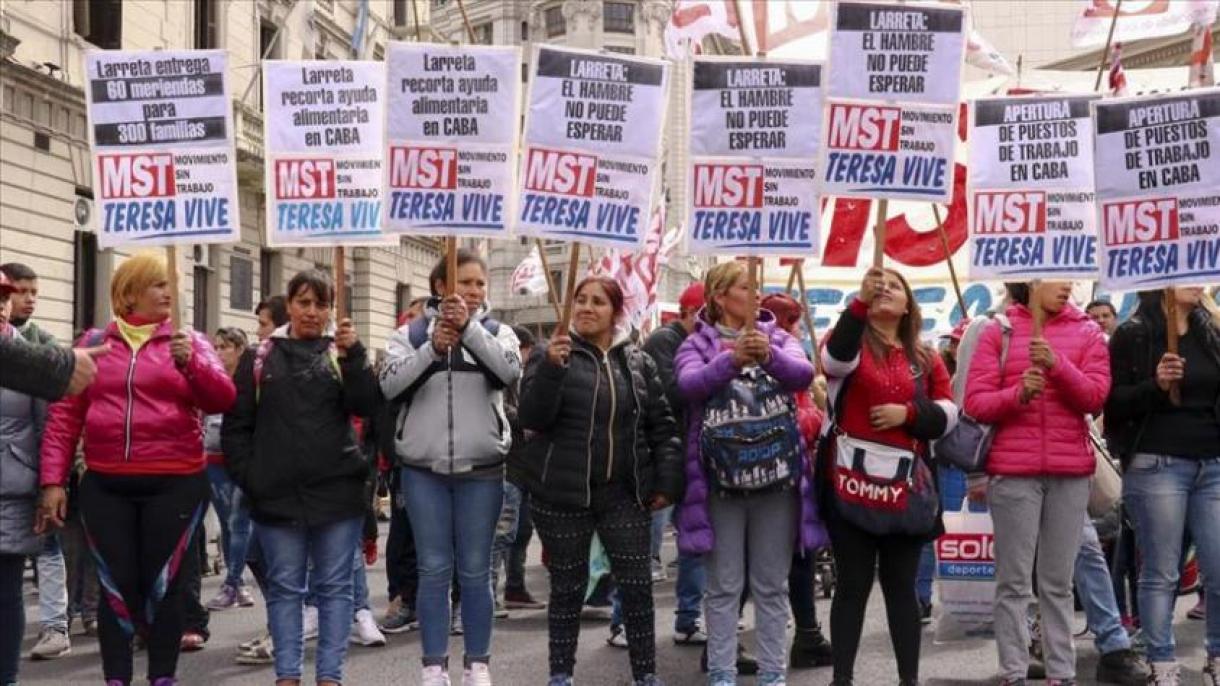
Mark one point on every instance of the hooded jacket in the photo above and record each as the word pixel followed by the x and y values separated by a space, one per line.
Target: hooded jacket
pixel 21 422
pixel 453 418
pixel 601 419
pixel 1047 436
pixel 703 367
pixel 142 414
pixel 288 442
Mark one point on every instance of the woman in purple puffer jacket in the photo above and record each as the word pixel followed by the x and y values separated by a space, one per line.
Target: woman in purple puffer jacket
pixel 728 373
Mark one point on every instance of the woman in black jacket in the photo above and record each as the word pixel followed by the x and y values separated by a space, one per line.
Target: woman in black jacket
pixel 604 451
pixel 1171 455
pixel 289 444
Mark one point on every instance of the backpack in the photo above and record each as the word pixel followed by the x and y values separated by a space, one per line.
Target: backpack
pixel 750 439
pixel 967 445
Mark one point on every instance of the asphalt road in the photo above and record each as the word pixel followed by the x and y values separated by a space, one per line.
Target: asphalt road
pixel 520 650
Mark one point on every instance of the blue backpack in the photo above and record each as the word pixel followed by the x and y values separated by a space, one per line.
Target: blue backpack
pixel 750 440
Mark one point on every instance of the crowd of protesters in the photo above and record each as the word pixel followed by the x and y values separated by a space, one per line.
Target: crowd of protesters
pixel 768 452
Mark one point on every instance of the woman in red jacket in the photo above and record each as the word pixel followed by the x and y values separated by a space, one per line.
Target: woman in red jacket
pixel 1039 465
pixel 145 489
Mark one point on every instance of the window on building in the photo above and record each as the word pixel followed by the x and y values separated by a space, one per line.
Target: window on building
pixel 620 49
pixel 525 31
pixel 525 73
pixel 99 22
pixel 84 280
pixel 206 21
pixel 556 25
pixel 484 34
pixel 267 267
pixel 618 17
pixel 402 299
pixel 199 301
pixel 241 284
pixel 268 48
pixel 400 12
pixel 320 47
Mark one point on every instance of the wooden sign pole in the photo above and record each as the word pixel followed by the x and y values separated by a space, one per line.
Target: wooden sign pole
pixel 944 242
pixel 171 270
pixel 339 268
pixel 1171 317
pixel 808 316
pixel 551 292
pixel 565 319
pixel 1105 52
pixel 883 208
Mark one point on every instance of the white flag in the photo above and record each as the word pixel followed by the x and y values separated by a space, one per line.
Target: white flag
pixel 1138 19
pixel 694 20
pixel 528 278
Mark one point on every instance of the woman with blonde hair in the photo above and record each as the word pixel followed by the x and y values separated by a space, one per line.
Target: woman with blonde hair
pixel 749 496
pixel 145 487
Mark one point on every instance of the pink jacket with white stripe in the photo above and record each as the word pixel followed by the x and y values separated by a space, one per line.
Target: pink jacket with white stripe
pixel 1048 436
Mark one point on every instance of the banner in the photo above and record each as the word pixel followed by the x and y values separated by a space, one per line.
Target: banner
pixel 1030 189
pixel 161 133
pixel 323 132
pixel 753 150
pixel 591 154
pixel 452 139
pixel 893 101
pixel 1158 189
pixel 528 278
pixel 1138 19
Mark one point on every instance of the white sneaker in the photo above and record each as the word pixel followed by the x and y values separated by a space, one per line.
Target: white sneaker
pixel 52 644
pixel 309 623
pixel 365 631
pixel 477 674
pixel 1164 674
pixel 1211 672
pixel 434 676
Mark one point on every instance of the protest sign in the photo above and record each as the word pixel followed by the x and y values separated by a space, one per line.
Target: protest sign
pixel 161 132
pixel 323 128
pixel 753 150
pixel 592 146
pixel 452 139
pixel 891 129
pixel 1030 189
pixel 1157 166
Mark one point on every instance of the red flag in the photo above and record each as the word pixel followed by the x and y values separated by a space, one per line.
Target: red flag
pixel 1118 77
pixel 1202 64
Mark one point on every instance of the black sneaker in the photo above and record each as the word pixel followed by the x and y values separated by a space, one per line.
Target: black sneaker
pixel 747 664
pixel 925 612
pixel 1122 667
pixel 810 649
pixel 401 622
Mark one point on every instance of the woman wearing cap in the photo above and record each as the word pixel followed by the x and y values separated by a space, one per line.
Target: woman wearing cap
pixel 144 490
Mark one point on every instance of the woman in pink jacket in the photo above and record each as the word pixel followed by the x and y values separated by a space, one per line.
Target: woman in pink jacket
pixel 145 489
pixel 1039 465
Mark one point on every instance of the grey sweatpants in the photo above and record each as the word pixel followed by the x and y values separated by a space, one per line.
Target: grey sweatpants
pixel 764 528
pixel 1036 518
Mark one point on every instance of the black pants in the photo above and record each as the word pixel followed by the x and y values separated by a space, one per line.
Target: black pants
pixel 401 564
pixel 195 615
pixel 625 530
pixel 12 616
pixel 801 591
pixel 140 528
pixel 857 554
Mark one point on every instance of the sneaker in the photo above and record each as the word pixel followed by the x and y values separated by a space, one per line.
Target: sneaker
pixel 365 631
pixel 52 644
pixel 617 638
pixel 191 641
pixel 747 664
pixel 402 622
pixel 434 676
pixel 247 646
pixel 244 597
pixel 1199 611
pixel 658 571
pixel 393 608
pixel 1164 674
pixel 455 621
pixel 499 612
pixel 90 627
pixel 522 600
pixel 477 674
pixel 309 623
pixel 260 652
pixel 810 649
pixel 772 679
pixel 1122 667
pixel 559 680
pixel 1211 672
pixel 649 680
pixel 721 679
pixel 226 598
pixel 925 612
pixel 690 635
pixel 1061 682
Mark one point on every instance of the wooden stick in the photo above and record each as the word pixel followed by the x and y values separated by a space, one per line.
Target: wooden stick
pixel 804 300
pixel 883 208
pixel 792 276
pixel 1037 311
pixel 1105 53
pixel 171 269
pixel 466 20
pixel 551 292
pixel 752 274
pixel 1171 316
pixel 565 320
pixel 340 274
pixel 741 28
pixel 419 34
pixel 944 242
pixel 451 265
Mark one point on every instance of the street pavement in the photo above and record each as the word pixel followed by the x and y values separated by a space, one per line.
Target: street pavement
pixel 520 650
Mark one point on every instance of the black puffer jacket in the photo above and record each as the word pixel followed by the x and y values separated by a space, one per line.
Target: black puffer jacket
pixel 581 431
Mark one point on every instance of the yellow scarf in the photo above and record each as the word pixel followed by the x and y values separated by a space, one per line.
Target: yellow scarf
pixel 136 336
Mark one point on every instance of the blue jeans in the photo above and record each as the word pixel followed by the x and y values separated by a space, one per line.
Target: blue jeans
pixel 659 519
pixel 234 519
pixel 326 552
pixel 506 531
pixel 692 577
pixel 360 583
pixel 1166 494
pixel 1096 593
pixel 453 520
pixel 52 585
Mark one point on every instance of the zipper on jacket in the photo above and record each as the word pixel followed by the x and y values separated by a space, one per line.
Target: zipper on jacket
pixel 131 375
pixel 597 382
pixel 546 463
pixel 635 436
pixel 449 384
pixel 610 419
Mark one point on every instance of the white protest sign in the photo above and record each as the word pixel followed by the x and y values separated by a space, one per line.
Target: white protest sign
pixel 753 148
pixel 1030 189
pixel 1158 189
pixel 161 132
pixel 892 94
pixel 591 153
pixel 451 138
pixel 323 130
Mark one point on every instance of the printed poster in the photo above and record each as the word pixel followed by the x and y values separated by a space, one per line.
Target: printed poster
pixel 1158 189
pixel 161 132
pixel 591 156
pixel 323 132
pixel 753 152
pixel 893 93
pixel 451 138
pixel 1030 198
